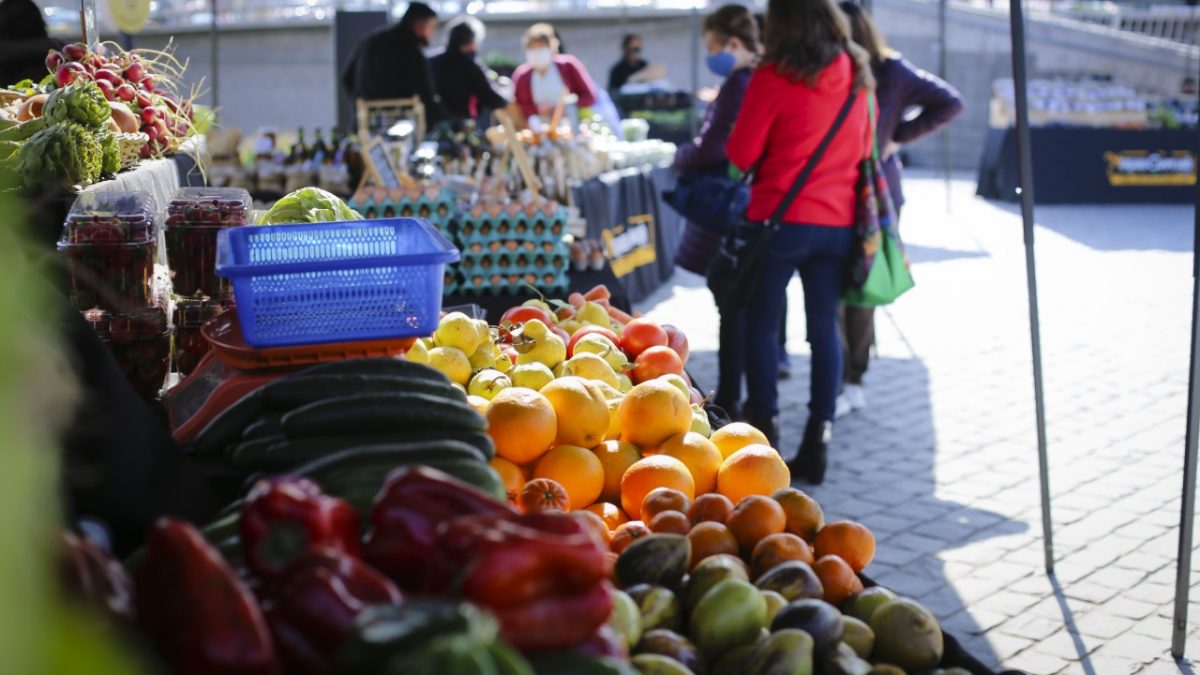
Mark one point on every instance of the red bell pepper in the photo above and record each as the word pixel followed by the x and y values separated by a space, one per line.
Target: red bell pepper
pixel 543 575
pixel 90 572
pixel 312 605
pixel 287 516
pixel 403 542
pixel 199 614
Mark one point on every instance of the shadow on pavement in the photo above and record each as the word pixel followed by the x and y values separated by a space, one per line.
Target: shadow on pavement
pixel 882 463
pixel 1161 227
pixel 929 254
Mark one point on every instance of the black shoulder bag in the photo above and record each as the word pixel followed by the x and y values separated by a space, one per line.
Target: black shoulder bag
pixel 734 271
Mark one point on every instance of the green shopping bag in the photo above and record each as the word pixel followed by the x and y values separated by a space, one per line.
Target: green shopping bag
pixel 889 277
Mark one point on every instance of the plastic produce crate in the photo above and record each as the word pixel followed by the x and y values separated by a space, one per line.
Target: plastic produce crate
pixel 335 282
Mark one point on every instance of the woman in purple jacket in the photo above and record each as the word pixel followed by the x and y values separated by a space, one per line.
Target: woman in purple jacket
pixel 731 38
pixel 899 86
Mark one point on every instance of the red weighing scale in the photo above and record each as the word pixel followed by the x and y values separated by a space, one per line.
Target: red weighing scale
pixel 233 369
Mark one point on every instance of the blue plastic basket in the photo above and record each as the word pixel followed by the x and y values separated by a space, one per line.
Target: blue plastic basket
pixel 335 282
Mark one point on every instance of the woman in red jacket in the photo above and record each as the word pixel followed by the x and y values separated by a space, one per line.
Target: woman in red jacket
pixel 546 75
pixel 810 69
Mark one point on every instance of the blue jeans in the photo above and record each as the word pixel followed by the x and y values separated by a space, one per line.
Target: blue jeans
pixel 731 355
pixel 821 255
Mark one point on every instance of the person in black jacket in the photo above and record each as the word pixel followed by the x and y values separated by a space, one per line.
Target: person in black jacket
pixel 391 64
pixel 460 80
pixel 23 42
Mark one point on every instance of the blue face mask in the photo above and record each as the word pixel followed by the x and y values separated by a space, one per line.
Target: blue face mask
pixel 721 64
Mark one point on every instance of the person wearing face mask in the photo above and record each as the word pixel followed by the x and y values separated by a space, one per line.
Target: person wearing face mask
pixel 461 82
pixel 547 76
pixel 391 63
pixel 732 40
pixel 631 62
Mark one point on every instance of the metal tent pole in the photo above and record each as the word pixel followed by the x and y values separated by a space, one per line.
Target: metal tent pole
pixel 1187 507
pixel 942 73
pixel 214 70
pixel 692 121
pixel 1025 173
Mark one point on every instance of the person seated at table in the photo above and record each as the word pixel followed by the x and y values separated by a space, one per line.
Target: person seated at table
pixel 461 81
pixel 547 77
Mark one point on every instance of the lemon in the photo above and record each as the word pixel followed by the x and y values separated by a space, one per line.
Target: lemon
pixel 457 330
pixel 483 357
pixel 503 364
pixel 531 376
pixel 488 383
pixel 418 352
pixel 609 392
pixel 595 343
pixel 700 423
pixel 479 404
pixel 570 325
pixel 679 383
pixel 484 331
pixel 591 367
pixel 534 329
pixel 593 314
pixel 452 363
pixel 549 350
pixel 540 304
pixel 625 384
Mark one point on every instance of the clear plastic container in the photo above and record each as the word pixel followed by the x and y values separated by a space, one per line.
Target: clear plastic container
pixel 110 217
pixel 189 345
pixel 140 342
pixel 193 218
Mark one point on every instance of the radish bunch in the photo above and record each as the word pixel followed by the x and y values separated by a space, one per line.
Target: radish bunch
pixel 145 81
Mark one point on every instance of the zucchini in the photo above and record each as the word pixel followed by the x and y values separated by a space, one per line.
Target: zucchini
pixel 266 427
pixel 381 414
pixel 392 367
pixel 288 395
pixel 227 428
pixel 252 445
pixel 282 454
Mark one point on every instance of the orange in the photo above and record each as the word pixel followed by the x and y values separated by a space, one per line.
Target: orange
pixel 710 539
pixel 652 412
pixel 581 410
pixel 670 522
pixel 595 524
pixel 733 437
pixel 753 470
pixel 755 518
pixel 611 514
pixel 626 534
pixel 712 507
pixel 663 499
pixel 652 472
pixel 838 579
pixel 848 540
pixel 779 548
pixel 804 515
pixel 511 475
pixel 576 469
pixel 543 494
pixel 616 457
pixel 522 424
pixel 699 454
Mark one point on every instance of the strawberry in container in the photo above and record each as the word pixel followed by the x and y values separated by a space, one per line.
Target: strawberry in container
pixel 189 345
pixel 140 341
pixel 193 218
pixel 108 241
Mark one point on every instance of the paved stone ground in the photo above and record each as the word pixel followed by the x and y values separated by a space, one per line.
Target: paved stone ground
pixel 942 466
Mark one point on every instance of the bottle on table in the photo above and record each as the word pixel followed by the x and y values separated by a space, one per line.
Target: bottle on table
pixel 299 153
pixel 320 150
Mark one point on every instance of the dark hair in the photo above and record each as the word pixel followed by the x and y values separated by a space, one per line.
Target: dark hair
pixel 733 21
pixel 866 34
pixel 629 37
pixel 416 13
pixel 804 36
pixel 463 31
pixel 21 20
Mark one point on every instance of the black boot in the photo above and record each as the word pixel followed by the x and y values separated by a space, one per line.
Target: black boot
pixel 768 425
pixel 809 464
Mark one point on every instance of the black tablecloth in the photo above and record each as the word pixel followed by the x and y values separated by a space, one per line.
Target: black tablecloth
pixel 581 281
pixel 625 212
pixel 1082 165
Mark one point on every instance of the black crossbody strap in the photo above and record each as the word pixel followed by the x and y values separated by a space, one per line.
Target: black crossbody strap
pixel 794 191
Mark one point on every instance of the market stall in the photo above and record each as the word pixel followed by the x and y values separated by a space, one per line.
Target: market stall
pixel 1096 143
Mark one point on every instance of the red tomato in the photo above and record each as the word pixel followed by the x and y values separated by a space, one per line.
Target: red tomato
pixel 678 341
pixel 656 361
pixel 640 335
pixel 524 313
pixel 588 330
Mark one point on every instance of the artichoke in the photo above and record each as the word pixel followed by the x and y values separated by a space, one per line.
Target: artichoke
pixel 82 103
pixel 66 153
pixel 110 151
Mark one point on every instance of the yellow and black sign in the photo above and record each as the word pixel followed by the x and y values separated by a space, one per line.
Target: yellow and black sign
pixel 630 245
pixel 1142 168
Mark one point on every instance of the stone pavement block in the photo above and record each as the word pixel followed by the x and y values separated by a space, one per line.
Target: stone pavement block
pixel 1067 645
pixel 1029 627
pixel 1129 608
pixel 1153 593
pixel 1103 625
pixel 1090 592
pixel 1136 647
pixel 1116 577
pixel 1006 646
pixel 1035 662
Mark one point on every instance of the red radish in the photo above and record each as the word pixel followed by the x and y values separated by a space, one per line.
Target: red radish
pixel 75 51
pixel 170 103
pixel 107 89
pixel 147 83
pixel 135 72
pixel 68 73
pixel 126 93
pixel 54 59
pixel 144 153
pixel 111 76
pixel 151 131
pixel 96 61
pixel 144 100
pixel 151 114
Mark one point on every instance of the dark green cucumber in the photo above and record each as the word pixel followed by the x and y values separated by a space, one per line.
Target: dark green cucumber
pixel 289 394
pixel 391 367
pixel 254 445
pixel 283 454
pixel 267 426
pixel 227 427
pixel 381 413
